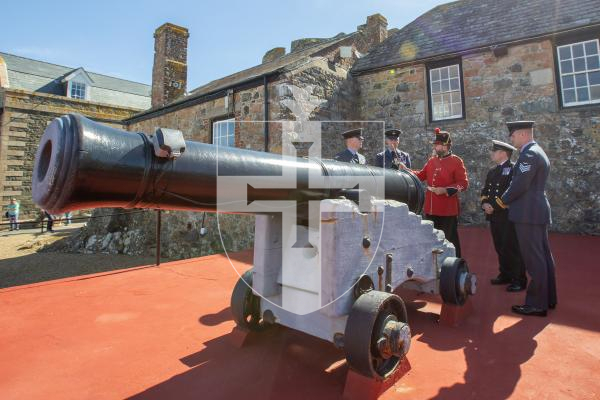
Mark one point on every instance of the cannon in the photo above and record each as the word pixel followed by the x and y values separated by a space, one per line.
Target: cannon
pixel 360 257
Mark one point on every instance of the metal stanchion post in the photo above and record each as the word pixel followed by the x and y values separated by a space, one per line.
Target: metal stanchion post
pixel 158 226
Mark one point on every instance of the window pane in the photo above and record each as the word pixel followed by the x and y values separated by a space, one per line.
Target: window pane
pixel 569 96
pixel 446 98
pixel 579 64
pixel 435 87
pixel 594 78
pixel 580 80
pixel 437 99
pixel 578 50
pixel 445 85
pixel 446 108
pixel 593 62
pixel 224 133
pixel 454 71
pixel 444 73
pixel 456 109
pixel 595 92
pixel 455 97
pixel 566 67
pixel 454 84
pixel 591 47
pixel 435 75
pixel 564 52
pixel 568 81
pixel 582 94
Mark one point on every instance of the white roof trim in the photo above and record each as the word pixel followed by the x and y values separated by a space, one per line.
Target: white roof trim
pixel 79 72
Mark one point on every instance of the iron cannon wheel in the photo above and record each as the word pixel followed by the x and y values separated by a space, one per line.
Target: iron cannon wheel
pixel 245 305
pixel 364 329
pixel 450 286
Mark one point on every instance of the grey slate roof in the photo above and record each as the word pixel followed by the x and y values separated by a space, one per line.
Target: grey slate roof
pixel 469 24
pixel 266 68
pixel 38 76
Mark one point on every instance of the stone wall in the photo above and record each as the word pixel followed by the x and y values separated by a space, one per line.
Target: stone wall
pixel 519 85
pixel 133 232
pixel 24 117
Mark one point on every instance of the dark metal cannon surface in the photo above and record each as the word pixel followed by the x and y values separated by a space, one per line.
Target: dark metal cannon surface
pixel 82 164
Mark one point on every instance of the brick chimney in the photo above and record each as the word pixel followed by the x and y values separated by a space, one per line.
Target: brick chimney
pixel 169 73
pixel 372 33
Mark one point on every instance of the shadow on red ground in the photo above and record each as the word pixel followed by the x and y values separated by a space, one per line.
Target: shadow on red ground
pixel 284 363
pixel 180 346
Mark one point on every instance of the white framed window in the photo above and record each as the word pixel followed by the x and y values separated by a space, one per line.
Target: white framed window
pixel 579 69
pixel 77 90
pixel 445 91
pixel 223 132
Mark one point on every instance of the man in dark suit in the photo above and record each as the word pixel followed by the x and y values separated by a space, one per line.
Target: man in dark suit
pixel 512 269
pixel 529 209
pixel 353 140
pixel 392 157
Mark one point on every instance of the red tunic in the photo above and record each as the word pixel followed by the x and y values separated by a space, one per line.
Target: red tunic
pixel 446 172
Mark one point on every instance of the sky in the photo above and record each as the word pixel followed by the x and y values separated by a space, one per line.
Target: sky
pixel 116 37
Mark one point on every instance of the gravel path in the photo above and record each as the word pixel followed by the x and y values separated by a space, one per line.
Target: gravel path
pixel 21 264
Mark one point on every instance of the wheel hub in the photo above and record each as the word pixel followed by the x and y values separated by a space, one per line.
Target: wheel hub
pixel 394 339
pixel 467 284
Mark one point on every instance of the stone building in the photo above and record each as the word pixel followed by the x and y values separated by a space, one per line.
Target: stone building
pixel 33 93
pixel 467 67
pixel 230 111
pixel 471 65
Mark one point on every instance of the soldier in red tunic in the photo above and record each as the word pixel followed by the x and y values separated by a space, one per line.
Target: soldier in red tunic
pixel 446 176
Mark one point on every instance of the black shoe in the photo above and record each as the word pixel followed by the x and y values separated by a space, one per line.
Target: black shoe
pixel 552 306
pixel 529 310
pixel 516 287
pixel 500 280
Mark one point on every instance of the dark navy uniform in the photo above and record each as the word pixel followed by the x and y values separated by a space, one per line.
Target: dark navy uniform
pixel 349 157
pixel 512 269
pixel 529 209
pixel 390 159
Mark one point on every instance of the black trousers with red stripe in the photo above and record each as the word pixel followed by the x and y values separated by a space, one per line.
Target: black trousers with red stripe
pixel 448 225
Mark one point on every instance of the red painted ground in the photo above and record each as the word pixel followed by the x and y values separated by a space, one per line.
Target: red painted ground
pixel 162 333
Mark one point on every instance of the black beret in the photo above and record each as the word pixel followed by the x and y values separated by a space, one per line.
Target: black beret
pixel 393 133
pixel 353 133
pixel 498 145
pixel 515 125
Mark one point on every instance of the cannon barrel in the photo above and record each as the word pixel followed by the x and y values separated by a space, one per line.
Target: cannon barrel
pixel 82 164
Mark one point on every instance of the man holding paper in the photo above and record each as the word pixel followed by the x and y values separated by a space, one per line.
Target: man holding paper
pixel 446 177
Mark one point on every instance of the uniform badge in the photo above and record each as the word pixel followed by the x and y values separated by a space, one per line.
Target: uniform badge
pixel 524 167
pixel 506 171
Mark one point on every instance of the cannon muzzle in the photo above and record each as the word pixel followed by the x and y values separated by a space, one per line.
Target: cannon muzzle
pixel 81 164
